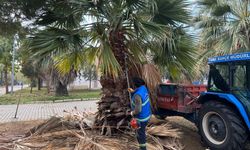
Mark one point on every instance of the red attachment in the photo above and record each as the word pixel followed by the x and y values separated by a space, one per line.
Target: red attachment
pixel 179 98
pixel 134 124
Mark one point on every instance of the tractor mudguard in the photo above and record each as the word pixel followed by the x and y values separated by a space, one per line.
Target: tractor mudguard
pixel 205 96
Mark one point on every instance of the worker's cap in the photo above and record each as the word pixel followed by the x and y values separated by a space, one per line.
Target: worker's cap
pixel 138 81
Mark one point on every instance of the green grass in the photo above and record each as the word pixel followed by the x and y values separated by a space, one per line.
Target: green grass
pixel 42 95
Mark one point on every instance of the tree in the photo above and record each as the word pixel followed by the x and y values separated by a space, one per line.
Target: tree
pixel 5 59
pixel 89 73
pixel 31 72
pixel 132 29
pixel 13 14
pixel 37 70
pixel 224 26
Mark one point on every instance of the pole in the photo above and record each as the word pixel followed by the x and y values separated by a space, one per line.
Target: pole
pixel 12 71
pixel 126 73
pixel 18 103
pixel 13 63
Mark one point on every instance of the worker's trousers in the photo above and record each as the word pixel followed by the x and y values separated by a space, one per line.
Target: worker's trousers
pixel 141 135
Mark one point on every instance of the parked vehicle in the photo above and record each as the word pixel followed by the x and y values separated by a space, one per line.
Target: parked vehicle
pixel 221 110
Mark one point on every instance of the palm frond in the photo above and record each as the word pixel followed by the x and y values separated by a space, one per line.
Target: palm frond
pixel 152 77
pixel 68 61
pixel 178 60
pixel 61 14
pixel 108 63
pixel 221 10
pixel 172 12
pixel 224 26
pixel 53 42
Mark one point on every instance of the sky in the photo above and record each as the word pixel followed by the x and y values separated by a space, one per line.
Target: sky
pixel 194 11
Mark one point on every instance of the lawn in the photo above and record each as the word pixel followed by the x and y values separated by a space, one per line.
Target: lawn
pixel 42 95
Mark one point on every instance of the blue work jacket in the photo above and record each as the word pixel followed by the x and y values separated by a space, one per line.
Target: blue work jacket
pixel 145 113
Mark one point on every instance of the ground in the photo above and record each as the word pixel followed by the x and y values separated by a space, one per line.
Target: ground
pixel 42 95
pixel 190 138
pixel 15 130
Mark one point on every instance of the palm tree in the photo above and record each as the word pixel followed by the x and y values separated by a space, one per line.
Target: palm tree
pixel 117 35
pixel 224 26
pixel 62 81
pixel 43 68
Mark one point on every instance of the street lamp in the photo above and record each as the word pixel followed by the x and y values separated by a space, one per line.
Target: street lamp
pixel 15 46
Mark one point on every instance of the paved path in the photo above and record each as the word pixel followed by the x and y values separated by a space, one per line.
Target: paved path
pixel 42 111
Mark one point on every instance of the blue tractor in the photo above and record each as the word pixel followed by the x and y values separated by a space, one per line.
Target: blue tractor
pixel 222 111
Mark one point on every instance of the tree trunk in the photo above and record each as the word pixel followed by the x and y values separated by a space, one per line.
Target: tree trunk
pixel 6 80
pixel 90 78
pixel 48 85
pixel 33 84
pixel 2 76
pixel 114 103
pixel 39 83
pixel 61 89
pixel 115 100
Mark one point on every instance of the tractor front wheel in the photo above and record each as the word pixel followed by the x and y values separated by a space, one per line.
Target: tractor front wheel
pixel 221 127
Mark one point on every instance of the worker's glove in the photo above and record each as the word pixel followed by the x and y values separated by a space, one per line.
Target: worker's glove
pixel 132 113
pixel 129 113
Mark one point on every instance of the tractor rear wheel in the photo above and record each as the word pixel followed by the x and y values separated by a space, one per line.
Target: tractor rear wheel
pixel 221 127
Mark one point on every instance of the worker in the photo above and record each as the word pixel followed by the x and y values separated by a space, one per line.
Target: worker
pixel 140 109
pixel 220 83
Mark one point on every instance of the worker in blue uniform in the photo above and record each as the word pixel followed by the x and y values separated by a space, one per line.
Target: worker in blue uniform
pixel 141 109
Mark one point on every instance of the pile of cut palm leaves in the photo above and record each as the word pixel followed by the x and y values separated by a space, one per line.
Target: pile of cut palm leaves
pixel 76 131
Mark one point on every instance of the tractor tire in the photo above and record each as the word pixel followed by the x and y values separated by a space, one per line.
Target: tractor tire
pixel 220 127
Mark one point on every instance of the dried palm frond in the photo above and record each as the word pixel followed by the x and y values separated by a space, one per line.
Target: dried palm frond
pixel 152 77
pixel 71 132
pixel 154 121
pixel 88 143
pixel 156 143
pixel 154 146
pixel 20 147
pixel 172 144
pixel 86 117
pixel 164 130
pixel 113 144
pixel 164 136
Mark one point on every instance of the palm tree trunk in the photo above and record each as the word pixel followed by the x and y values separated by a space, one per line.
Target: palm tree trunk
pixel 115 101
pixel 61 89
pixel 6 80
